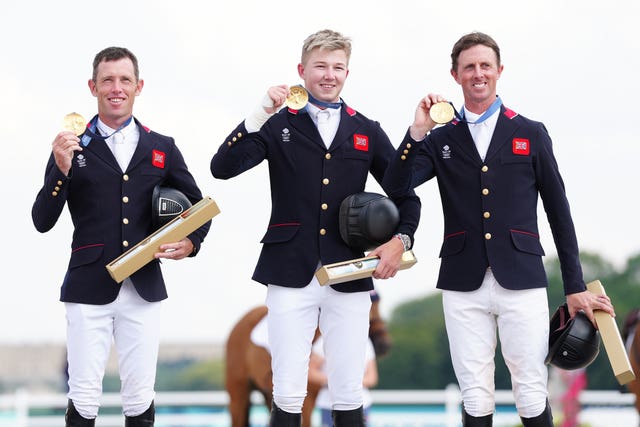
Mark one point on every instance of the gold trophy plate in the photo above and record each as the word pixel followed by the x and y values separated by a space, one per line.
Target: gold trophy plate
pixel 75 123
pixel 175 230
pixel 612 340
pixel 298 98
pixel 359 268
pixel 441 112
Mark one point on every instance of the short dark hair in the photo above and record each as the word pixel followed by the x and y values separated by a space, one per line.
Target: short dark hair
pixel 114 53
pixel 469 40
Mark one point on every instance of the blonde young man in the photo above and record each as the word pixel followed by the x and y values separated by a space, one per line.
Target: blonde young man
pixel 317 157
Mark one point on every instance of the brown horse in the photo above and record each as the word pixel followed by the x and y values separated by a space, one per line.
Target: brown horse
pixel 248 366
pixel 631 336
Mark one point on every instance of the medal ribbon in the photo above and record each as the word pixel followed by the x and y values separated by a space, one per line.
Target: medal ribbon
pixel 92 131
pixel 495 106
pixel 322 103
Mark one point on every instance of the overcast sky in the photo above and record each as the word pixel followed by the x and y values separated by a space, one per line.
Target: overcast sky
pixel 573 66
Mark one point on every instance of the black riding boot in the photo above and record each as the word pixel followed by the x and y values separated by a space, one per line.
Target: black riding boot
pixel 145 419
pixel 545 419
pixel 470 421
pixel 280 418
pixel 73 419
pixel 352 418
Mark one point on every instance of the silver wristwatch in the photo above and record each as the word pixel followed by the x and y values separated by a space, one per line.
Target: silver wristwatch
pixel 405 239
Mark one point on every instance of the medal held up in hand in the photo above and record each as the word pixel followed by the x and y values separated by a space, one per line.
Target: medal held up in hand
pixel 442 112
pixel 298 98
pixel 75 123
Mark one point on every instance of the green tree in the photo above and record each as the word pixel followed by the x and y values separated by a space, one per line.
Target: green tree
pixel 419 357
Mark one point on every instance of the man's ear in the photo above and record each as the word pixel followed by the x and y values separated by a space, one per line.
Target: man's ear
pixel 92 87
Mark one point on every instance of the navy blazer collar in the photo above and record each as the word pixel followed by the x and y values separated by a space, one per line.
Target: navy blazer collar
pixel 505 127
pixel 102 150
pixel 349 124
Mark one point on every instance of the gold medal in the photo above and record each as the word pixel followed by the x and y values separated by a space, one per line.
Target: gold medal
pixel 441 112
pixel 75 123
pixel 298 98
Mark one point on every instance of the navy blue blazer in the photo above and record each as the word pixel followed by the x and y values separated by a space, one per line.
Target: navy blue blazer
pixel 111 212
pixel 490 206
pixel 308 183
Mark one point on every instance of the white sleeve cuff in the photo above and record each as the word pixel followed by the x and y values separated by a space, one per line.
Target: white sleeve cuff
pixel 258 116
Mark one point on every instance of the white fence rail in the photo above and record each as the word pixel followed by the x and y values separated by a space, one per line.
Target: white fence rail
pixel 19 409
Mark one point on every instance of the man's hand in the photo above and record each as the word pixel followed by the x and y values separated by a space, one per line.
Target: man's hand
pixel 423 122
pixel 277 95
pixel 390 255
pixel 63 147
pixel 176 251
pixel 587 302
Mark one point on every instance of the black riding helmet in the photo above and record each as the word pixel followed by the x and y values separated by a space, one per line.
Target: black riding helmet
pixel 573 342
pixel 367 220
pixel 166 204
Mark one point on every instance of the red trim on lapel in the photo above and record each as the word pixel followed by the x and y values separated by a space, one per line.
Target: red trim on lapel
pixel 509 113
pixel 292 111
pixel 350 111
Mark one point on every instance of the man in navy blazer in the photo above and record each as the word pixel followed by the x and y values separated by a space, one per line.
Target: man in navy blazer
pixel 317 156
pixel 106 179
pixel 491 164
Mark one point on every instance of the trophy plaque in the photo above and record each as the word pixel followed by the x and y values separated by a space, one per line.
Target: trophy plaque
pixel 612 340
pixel 359 268
pixel 173 231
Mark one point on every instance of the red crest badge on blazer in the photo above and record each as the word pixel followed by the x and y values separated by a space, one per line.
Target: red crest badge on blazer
pixel 521 146
pixel 361 142
pixel 157 159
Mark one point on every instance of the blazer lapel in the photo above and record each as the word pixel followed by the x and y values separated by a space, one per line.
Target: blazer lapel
pixel 100 148
pixel 303 124
pixel 349 124
pixel 143 148
pixel 505 128
pixel 461 137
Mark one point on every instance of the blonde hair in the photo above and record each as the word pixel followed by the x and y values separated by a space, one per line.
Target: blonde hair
pixel 326 39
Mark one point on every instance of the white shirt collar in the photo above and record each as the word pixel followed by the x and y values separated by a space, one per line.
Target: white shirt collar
pixel 125 131
pixel 313 111
pixel 472 117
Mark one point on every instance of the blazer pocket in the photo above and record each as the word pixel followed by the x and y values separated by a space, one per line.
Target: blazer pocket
pixel 278 233
pixel 86 254
pixel 514 158
pixel 356 155
pixel 525 241
pixel 158 173
pixel 453 244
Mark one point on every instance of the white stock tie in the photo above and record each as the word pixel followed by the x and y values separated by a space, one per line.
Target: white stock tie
pixel 482 138
pixel 324 127
pixel 119 150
